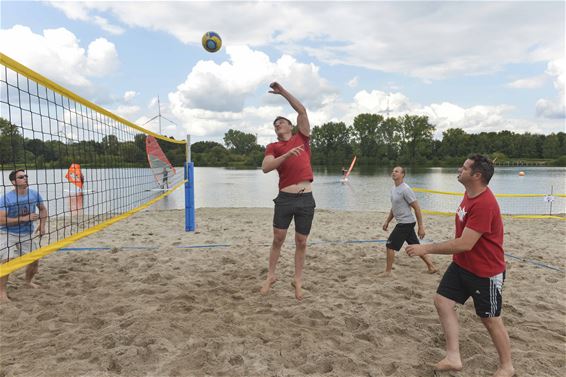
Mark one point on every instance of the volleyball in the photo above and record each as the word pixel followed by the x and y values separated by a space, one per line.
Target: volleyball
pixel 211 41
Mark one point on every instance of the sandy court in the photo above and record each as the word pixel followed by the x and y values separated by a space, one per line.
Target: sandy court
pixel 151 306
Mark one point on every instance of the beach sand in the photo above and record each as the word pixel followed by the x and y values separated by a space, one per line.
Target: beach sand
pixel 150 306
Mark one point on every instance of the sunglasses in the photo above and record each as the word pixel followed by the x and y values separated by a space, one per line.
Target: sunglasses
pixel 22 176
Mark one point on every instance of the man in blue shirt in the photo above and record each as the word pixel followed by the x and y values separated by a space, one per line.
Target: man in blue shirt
pixel 17 214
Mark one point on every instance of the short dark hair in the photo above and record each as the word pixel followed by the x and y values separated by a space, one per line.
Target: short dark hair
pixel 14 173
pixel 482 165
pixel 280 117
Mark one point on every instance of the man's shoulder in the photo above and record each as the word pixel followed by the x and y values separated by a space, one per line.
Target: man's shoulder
pixel 7 199
pixel 404 187
pixel 9 195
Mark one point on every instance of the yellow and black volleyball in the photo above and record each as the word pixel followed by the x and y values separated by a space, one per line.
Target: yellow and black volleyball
pixel 211 41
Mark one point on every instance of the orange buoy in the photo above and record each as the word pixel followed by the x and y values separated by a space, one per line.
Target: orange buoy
pixel 521 173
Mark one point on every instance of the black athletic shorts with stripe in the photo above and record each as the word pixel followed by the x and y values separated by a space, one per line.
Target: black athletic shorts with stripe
pixel 402 233
pixel 299 206
pixel 458 285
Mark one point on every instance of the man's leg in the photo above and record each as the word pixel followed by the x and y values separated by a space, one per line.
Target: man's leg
pixel 3 293
pixel 300 252
pixel 31 270
pixel 449 321
pixel 278 239
pixel 390 254
pixel 500 339
pixel 428 261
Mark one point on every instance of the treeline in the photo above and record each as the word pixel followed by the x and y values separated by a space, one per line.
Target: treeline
pixel 380 141
pixel 377 141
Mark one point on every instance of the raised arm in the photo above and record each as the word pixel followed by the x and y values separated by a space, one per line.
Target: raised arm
pixel 302 118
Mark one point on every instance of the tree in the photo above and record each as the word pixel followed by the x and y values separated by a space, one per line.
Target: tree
pixel 239 142
pixel 551 146
pixel 455 143
pixel 204 146
pixel 110 143
pixel 331 143
pixel 11 143
pixel 365 133
pixel 416 138
pixel 389 136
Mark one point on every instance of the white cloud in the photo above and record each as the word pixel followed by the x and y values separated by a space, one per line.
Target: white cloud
pixel 127 111
pixel 82 12
pixel 129 95
pixel 529 83
pixel 353 82
pixel 554 109
pixel 58 55
pixel 213 97
pixel 428 40
pixel 106 26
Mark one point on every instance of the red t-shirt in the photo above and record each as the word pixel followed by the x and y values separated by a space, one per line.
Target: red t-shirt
pixel 295 169
pixel 481 214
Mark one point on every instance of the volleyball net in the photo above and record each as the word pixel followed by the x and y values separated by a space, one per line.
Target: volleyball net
pixel 85 166
pixel 532 206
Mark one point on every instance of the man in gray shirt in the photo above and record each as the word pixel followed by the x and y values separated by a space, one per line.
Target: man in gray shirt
pixel 402 199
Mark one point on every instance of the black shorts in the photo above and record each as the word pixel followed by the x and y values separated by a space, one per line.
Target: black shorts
pixel 299 206
pixel 402 233
pixel 459 284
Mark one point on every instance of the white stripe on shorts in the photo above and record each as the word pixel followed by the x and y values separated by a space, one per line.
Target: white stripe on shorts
pixel 495 286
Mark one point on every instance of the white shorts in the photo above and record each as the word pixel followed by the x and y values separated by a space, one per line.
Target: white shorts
pixel 14 245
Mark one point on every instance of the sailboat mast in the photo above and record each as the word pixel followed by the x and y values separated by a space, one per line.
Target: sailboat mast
pixel 159 113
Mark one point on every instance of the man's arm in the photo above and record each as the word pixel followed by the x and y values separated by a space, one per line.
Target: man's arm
pixel 388 220
pixel 270 162
pixel 419 216
pixel 9 221
pixel 302 118
pixel 42 218
pixel 465 242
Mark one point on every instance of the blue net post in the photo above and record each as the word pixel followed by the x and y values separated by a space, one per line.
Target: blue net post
pixel 189 197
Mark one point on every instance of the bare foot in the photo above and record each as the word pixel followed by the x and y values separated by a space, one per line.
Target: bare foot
pixel 432 270
pixel 298 290
pixel 505 372
pixel 446 364
pixel 4 299
pixel 266 286
pixel 29 284
pixel 386 274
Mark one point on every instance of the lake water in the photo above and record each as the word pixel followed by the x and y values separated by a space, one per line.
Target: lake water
pixel 111 191
pixel 369 190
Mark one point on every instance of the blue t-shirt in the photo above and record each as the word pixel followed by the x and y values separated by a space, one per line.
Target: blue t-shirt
pixel 20 205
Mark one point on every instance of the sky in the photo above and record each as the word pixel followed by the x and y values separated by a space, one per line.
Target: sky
pixel 480 66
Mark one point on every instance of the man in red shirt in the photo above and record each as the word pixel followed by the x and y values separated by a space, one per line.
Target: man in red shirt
pixel 478 266
pixel 290 155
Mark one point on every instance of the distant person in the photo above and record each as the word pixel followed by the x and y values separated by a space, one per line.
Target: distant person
pixel 165 177
pixel 402 200
pixel 478 266
pixel 17 214
pixel 344 171
pixel 291 157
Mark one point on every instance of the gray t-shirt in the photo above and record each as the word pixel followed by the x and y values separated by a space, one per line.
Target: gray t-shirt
pixel 401 197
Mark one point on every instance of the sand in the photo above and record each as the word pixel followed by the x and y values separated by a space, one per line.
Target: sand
pixel 150 306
